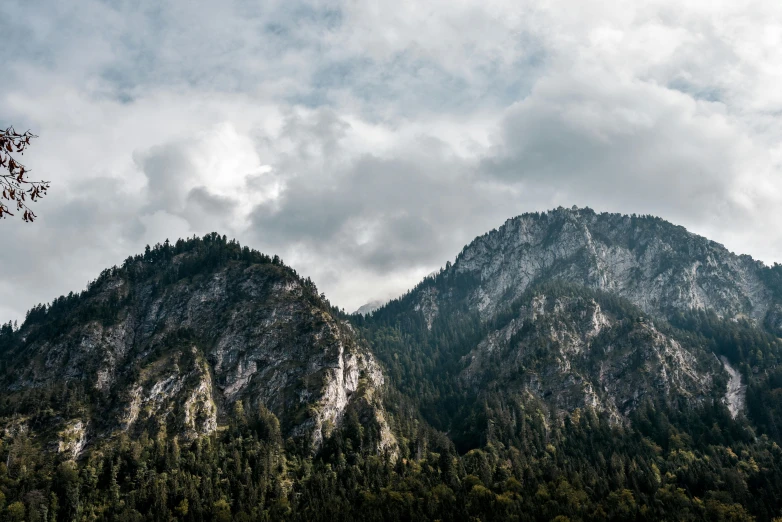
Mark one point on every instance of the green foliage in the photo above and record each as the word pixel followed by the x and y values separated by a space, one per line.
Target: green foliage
pixel 582 469
pixel 161 265
pixel 464 453
pixel 756 352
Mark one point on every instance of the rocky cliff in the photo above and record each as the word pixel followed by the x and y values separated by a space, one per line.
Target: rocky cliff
pixel 657 266
pixel 182 334
pixel 569 365
pixel 569 348
pixel 574 310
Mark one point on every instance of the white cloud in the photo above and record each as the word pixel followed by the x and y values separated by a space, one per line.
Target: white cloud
pixel 367 142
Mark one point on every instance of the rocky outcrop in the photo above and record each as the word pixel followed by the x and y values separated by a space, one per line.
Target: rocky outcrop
pixel 570 353
pixel 427 305
pixel 72 439
pixel 183 350
pixel 736 396
pixel 658 266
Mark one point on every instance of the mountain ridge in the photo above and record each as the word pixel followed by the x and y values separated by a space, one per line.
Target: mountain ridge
pixel 613 252
pixel 209 320
pixel 569 364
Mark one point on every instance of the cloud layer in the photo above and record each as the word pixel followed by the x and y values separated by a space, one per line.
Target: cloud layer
pixel 367 142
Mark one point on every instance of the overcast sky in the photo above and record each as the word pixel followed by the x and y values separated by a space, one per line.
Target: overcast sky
pixel 366 142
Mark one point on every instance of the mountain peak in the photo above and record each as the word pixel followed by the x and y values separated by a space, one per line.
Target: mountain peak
pixel 553 344
pixel 658 266
pixel 184 332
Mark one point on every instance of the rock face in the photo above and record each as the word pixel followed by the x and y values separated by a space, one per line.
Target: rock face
pixel 149 346
pixel 565 349
pixel 657 266
pixel 736 396
pixel 568 351
pixel 569 309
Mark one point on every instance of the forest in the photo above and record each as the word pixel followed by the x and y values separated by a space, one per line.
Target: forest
pixel 464 454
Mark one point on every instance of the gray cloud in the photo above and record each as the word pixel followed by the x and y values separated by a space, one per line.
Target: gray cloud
pixel 415 207
pixel 166 168
pixel 367 143
pixel 201 200
pixel 658 149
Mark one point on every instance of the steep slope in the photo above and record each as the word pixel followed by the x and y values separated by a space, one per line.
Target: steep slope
pixel 657 266
pixel 555 349
pixel 204 381
pixel 567 350
pixel 570 310
pixel 179 336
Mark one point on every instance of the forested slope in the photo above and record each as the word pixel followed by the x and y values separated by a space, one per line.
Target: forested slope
pixel 205 381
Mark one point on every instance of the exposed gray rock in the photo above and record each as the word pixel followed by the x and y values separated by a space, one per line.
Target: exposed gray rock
pixel 569 353
pixel 427 305
pixel 184 352
pixel 658 266
pixel 369 307
pixel 72 439
pixel 736 396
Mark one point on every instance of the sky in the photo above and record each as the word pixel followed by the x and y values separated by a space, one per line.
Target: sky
pixel 366 142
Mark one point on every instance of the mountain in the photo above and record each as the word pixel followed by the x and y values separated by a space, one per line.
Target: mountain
pixel 185 332
pixel 568 366
pixel 657 266
pixel 574 309
pixel 573 349
pixel 368 308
